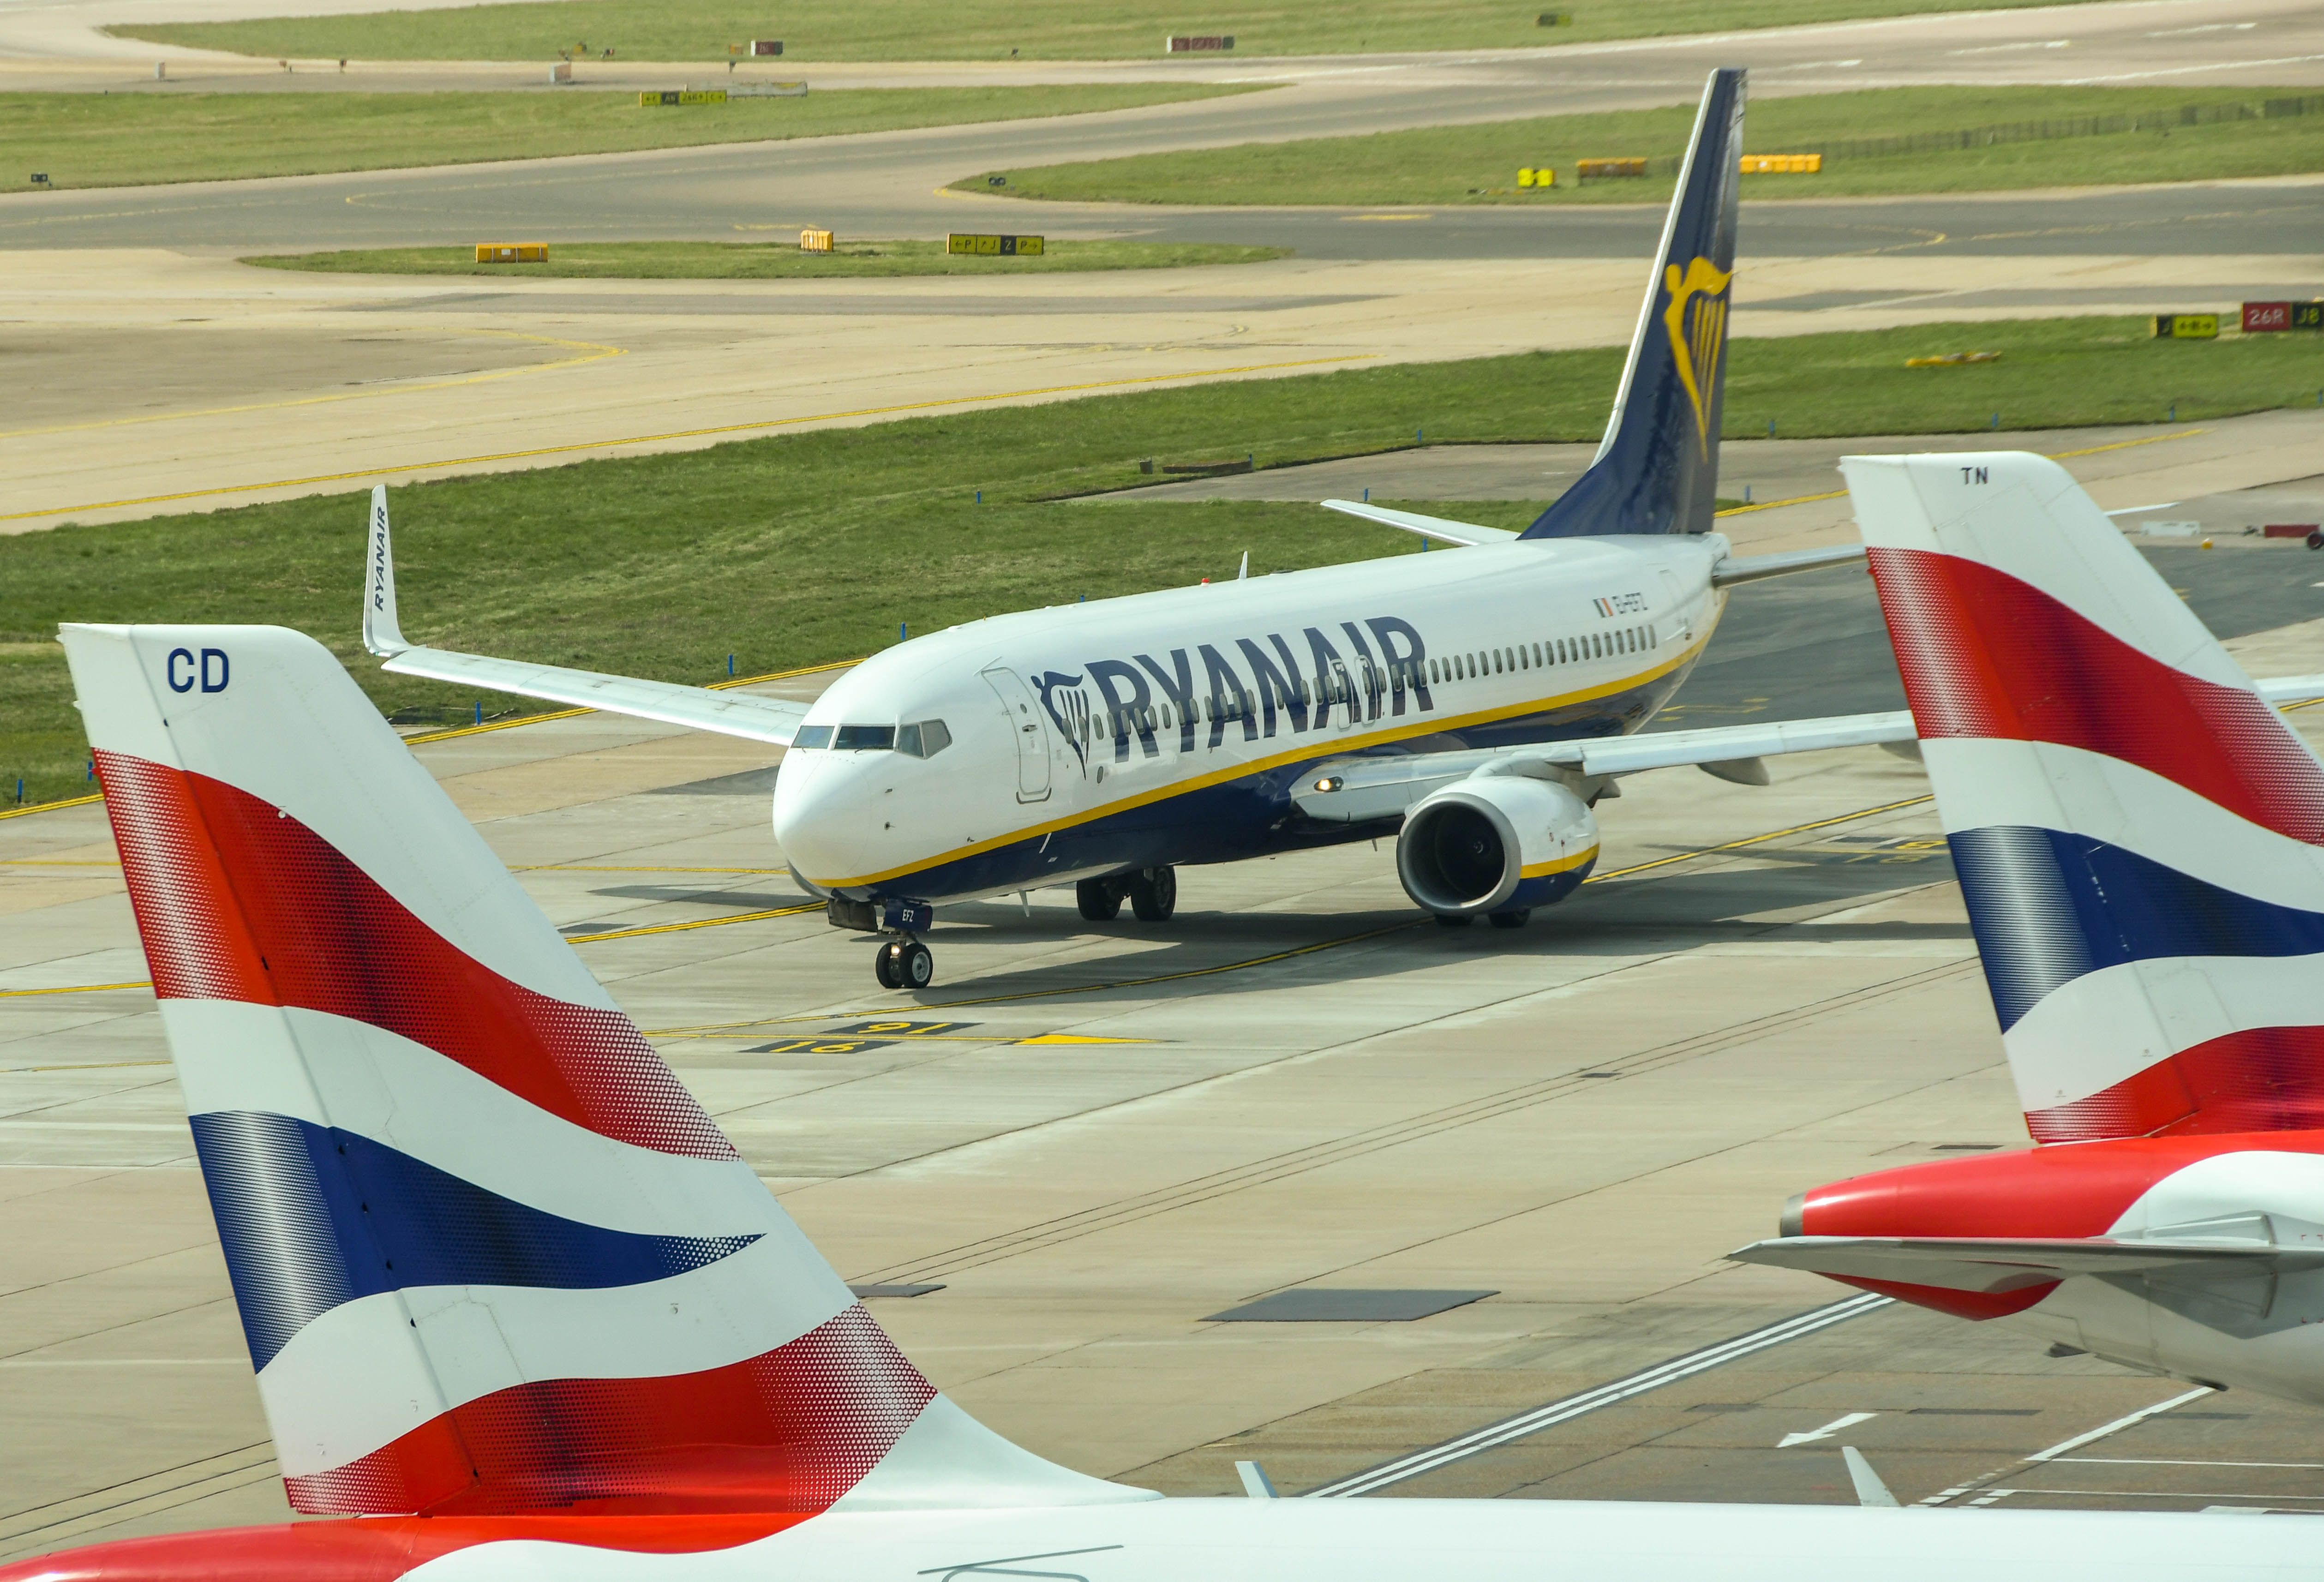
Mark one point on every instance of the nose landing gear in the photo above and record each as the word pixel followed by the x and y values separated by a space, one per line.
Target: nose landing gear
pixel 904 964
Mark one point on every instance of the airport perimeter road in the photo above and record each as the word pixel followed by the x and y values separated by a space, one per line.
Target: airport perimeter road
pixel 1084 1144
pixel 886 184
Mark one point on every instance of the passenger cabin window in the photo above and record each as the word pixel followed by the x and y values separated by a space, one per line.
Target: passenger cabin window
pixel 923 740
pixel 865 738
pixel 812 736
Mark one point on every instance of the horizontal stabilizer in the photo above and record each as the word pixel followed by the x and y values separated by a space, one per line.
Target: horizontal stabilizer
pixel 1737 568
pixel 2290 689
pixel 1992 1265
pixel 1465 534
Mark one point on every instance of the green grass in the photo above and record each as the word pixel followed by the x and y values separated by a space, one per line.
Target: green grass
pixel 769 260
pixel 810 547
pixel 984 30
pixel 1444 165
pixel 113 139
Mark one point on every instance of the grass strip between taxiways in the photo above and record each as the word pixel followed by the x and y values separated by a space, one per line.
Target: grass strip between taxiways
pixel 804 548
pixel 1478 163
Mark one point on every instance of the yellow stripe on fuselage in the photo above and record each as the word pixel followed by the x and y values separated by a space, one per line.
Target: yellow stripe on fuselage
pixel 1558 865
pixel 1430 726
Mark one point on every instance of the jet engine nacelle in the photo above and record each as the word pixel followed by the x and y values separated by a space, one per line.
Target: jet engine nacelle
pixel 1494 843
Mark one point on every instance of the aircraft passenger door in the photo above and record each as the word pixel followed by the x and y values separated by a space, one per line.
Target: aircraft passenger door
pixel 1682 619
pixel 1032 733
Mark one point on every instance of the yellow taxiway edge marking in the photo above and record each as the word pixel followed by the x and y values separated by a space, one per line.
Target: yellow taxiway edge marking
pixel 2128 444
pixel 708 922
pixel 1759 840
pixel 955 401
pixel 1775 504
pixel 70 989
pixel 1075 1037
pixel 53 862
pixel 624 868
pixel 52 806
pixel 596 354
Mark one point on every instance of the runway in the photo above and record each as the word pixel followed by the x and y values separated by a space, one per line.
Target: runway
pixel 1092 1142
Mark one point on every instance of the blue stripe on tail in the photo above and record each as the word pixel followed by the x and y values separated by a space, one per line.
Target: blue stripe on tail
pixel 312 1216
pixel 1657 468
pixel 2048 907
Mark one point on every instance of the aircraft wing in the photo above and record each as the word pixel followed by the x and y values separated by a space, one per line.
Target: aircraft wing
pixel 1357 790
pixel 2004 1263
pixel 773 720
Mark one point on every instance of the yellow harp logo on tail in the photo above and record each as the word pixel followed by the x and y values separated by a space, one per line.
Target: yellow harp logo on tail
pixel 1696 338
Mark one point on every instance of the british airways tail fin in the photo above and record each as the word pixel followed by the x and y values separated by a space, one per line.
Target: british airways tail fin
pixel 490 1255
pixel 1657 468
pixel 2139 836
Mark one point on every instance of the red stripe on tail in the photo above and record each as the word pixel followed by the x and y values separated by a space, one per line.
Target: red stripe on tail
pixel 1983 654
pixel 791 1430
pixel 237 901
pixel 2260 1079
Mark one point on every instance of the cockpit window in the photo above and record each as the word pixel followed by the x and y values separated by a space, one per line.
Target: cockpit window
pixel 812 736
pixel 923 740
pixel 864 739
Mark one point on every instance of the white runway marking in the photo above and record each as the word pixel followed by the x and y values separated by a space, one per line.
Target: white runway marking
pixel 1849 1420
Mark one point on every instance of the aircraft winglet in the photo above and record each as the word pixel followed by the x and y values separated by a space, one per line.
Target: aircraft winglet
pixel 382 634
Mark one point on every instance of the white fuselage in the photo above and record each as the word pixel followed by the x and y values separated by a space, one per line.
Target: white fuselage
pixel 2250 1326
pixel 1429 1540
pixel 1169 727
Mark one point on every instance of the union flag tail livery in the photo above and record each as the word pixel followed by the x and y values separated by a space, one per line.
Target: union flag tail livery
pixel 2138 835
pixel 491 1256
pixel 515 1301
pixel 2137 832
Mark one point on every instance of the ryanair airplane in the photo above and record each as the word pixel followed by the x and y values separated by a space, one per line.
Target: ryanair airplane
pixel 1474 706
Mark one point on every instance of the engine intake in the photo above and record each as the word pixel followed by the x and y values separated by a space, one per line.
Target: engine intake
pixel 1494 843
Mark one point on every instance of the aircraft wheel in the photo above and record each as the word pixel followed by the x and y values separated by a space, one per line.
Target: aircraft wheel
pixel 1446 920
pixel 1154 894
pixel 883 967
pixel 1515 918
pixel 916 965
pixel 1099 899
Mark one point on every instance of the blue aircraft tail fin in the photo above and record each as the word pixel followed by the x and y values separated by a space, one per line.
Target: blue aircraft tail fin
pixel 1657 468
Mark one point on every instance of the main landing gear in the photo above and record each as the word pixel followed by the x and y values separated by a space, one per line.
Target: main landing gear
pixel 1153 895
pixel 904 964
pixel 1515 918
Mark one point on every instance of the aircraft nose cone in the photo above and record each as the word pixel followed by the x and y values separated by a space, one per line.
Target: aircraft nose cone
pixel 824 817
